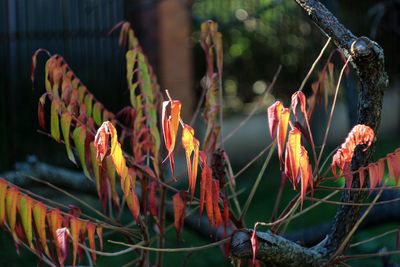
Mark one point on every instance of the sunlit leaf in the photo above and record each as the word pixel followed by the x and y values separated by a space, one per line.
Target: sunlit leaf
pixel 282 130
pixel 393 160
pixel 254 245
pixel 215 195
pixel 299 97
pixel 99 232
pixel 306 172
pixel 294 153
pixel 359 135
pixel 110 168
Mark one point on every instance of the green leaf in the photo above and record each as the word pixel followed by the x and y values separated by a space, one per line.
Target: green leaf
pixel 11 209
pixel 97 111
pixel 54 121
pixel 65 127
pixel 79 136
pixel 95 166
pixel 25 212
pixel 3 192
pixel 89 104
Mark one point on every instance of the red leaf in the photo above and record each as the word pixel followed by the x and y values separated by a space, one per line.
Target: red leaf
pixel 153 198
pixel 373 170
pixel 299 97
pixel 359 135
pixel 254 245
pixel 191 144
pixel 393 160
pixel 179 212
pixel 274 113
pixel 217 211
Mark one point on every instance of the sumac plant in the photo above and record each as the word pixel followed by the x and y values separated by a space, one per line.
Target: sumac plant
pixel 129 156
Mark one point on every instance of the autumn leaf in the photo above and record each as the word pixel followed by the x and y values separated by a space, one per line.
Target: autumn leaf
pixel 65 128
pixel 41 113
pixel 3 193
pixel 39 217
pixel 299 97
pixel 359 135
pixel 190 145
pixel 254 244
pixel 25 212
pixel 274 113
pixel 11 209
pixel 75 229
pixel 170 124
pixel 393 160
pixel 91 228
pixel 61 239
pixel 306 173
pixel 293 153
pixel 215 201
pixel 54 121
pixel 282 130
pixel 101 140
pixel 99 232
pixel 179 211
pixel 79 136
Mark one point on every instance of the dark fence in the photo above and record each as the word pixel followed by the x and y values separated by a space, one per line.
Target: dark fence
pixel 76 29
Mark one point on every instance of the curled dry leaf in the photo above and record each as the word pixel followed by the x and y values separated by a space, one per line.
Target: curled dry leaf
pixel 179 211
pixel 360 135
pixel 299 97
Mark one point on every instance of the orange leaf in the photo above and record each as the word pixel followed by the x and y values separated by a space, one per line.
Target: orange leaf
pixel 91 228
pixel 3 192
pixel 306 172
pixel 101 141
pixel 293 153
pixel 74 225
pixel 360 135
pixel 195 165
pixel 11 208
pixel 361 175
pixel 373 170
pixel 39 216
pixel 153 198
pixel 54 220
pixel 179 211
pixel 191 144
pixel 99 231
pixel 282 130
pixel 170 124
pixel 274 113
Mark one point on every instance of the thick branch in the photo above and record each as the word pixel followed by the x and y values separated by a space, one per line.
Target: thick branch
pixel 368 60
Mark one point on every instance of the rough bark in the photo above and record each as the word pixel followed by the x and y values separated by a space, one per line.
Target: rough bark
pixel 368 61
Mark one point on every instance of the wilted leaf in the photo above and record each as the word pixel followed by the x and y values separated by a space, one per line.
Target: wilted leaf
pixel 61 240
pixel 306 172
pixel 359 135
pixel 153 198
pixel 217 211
pixel 41 113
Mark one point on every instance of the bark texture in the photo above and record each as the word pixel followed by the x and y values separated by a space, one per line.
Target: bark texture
pixel 368 60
